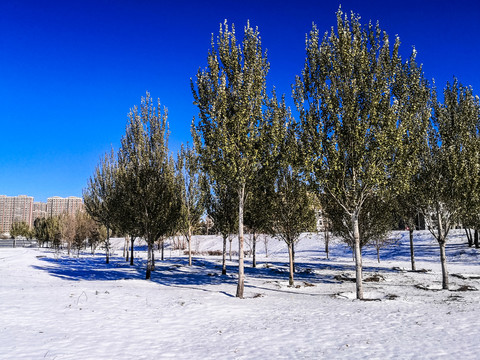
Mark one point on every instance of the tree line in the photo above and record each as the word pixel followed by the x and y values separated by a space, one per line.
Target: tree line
pixel 374 142
pixel 74 231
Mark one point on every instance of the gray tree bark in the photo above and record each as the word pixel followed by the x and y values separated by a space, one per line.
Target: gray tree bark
pixel 149 260
pixel 412 252
pixel 132 239
pixel 254 260
pixel 241 255
pixel 443 257
pixel 224 256
pixel 189 240
pixel 358 256
pixel 291 265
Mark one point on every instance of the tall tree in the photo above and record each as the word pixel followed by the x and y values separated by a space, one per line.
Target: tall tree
pixel 191 194
pixel 149 171
pixel 101 195
pixel 125 216
pixel 349 117
pixel 230 93
pixel 276 134
pixel 288 206
pixel 412 92
pixel 450 166
pixel 468 108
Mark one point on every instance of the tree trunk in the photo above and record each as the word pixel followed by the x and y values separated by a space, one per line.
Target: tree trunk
pixel 189 240
pixel 469 237
pixel 378 250
pixel 326 237
pixel 412 252
pixel 358 256
pixel 153 259
pixel 443 259
pixel 230 249
pixel 291 264
pixel 265 243
pixel 241 255
pixel 476 239
pixel 224 256
pixel 293 255
pixel 107 246
pixel 126 252
pixel 149 260
pixel 132 240
pixel 254 260
pixel 163 250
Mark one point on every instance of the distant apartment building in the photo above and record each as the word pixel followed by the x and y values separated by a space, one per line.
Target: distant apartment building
pixel 15 209
pixel 57 205
pixel 39 210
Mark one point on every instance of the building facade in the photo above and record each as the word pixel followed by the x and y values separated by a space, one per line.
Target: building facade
pixel 15 209
pixel 57 205
pixel 39 210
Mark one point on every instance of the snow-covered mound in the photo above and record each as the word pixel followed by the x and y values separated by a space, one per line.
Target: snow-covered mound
pixel 60 307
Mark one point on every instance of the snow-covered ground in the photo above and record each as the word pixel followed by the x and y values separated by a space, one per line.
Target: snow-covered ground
pixel 59 307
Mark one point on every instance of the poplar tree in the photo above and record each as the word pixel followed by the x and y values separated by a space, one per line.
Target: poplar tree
pixel 413 94
pixel 277 127
pixel 125 213
pixel 149 171
pixel 450 165
pixel 221 203
pixel 349 117
pixel 230 93
pixel 258 210
pixel 288 208
pixel 469 110
pixel 191 194
pixel 101 195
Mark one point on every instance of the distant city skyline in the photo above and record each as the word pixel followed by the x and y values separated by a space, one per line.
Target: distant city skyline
pixel 43 199
pixel 24 208
pixel 70 71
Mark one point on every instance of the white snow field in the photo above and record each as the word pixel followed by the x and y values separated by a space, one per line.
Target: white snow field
pixel 59 307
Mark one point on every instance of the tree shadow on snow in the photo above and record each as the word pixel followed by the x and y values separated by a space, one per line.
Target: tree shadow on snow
pixel 92 268
pixel 172 272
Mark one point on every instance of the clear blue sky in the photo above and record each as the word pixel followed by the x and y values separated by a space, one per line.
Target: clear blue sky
pixel 71 70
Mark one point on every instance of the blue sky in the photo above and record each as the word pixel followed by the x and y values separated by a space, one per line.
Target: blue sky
pixel 71 70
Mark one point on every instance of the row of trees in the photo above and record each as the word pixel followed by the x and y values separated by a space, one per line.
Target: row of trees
pixel 373 143
pixel 144 192
pixel 74 231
